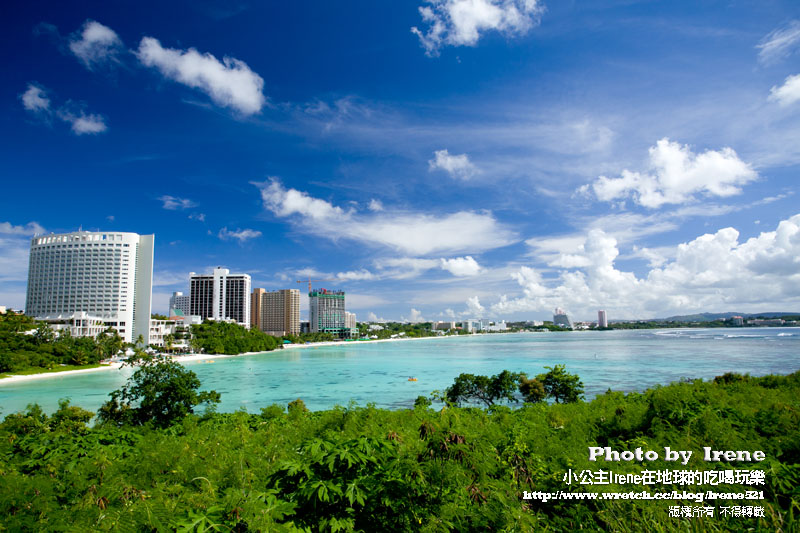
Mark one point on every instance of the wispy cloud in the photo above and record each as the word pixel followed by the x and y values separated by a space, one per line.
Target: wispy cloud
pixel 201 217
pixel 241 235
pixel 229 83
pixel 779 43
pixel 458 166
pixel 173 202
pixel 407 232
pixel 95 44
pixel 14 251
pixel 461 22
pixel 28 230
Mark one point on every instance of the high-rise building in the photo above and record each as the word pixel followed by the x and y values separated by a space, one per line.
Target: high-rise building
pixel 220 296
pixel 326 311
pixel 602 320
pixel 256 301
pixel 106 276
pixel 560 318
pixel 179 301
pixel 280 312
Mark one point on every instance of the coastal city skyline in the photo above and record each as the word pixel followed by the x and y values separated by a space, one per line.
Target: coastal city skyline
pixel 435 164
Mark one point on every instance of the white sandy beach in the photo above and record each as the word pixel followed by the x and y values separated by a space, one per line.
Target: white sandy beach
pixel 202 357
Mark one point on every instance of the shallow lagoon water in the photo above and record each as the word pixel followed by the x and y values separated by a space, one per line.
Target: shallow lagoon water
pixel 378 373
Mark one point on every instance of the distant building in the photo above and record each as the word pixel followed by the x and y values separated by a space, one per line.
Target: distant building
pixel 280 312
pixel 470 325
pixel 351 324
pixel 159 329
pixel 560 318
pixel 326 312
pixel 220 296
pixel 89 277
pixel 737 320
pixel 179 301
pixel 766 322
pixel 444 326
pixel 602 320
pixel 256 301
pixel 497 326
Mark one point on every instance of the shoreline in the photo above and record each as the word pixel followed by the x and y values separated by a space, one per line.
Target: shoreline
pixel 31 377
pixel 20 378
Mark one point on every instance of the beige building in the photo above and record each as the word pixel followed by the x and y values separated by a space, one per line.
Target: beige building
pixel 256 301
pixel 278 311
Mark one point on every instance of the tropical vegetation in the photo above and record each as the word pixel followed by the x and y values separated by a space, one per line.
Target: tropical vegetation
pixel 418 469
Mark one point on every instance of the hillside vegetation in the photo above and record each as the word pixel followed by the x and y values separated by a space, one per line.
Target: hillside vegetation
pixel 424 469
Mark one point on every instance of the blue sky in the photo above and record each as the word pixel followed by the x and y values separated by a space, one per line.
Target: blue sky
pixel 437 159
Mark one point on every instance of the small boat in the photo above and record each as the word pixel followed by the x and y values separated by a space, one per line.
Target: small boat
pixel 412 379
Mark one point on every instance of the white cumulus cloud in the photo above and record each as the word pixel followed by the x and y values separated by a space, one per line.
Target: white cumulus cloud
pixel 788 93
pixel 95 44
pixel 413 316
pixel 83 123
pixel 35 99
pixel 474 308
pixel 714 272
pixel 461 22
pixel 461 266
pixel 408 232
pixel 240 235
pixel 458 166
pixel 229 83
pixel 676 175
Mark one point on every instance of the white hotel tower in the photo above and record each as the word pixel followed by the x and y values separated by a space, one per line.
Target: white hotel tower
pixel 95 276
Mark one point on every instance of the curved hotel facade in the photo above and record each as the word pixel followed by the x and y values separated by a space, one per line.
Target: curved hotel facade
pixel 92 278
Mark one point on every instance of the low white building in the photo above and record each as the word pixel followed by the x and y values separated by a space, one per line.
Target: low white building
pixel 78 324
pixel 497 326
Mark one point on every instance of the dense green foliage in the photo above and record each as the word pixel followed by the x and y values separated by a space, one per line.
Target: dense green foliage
pixel 160 391
pixel 560 385
pixel 25 344
pixel 368 469
pixel 229 338
pixel 557 384
pixel 484 389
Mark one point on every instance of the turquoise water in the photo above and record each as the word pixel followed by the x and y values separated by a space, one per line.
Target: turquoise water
pixel 378 372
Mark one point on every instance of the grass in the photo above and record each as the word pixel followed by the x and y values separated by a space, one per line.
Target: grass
pixel 39 370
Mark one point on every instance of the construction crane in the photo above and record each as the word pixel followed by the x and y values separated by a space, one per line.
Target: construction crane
pixel 309 280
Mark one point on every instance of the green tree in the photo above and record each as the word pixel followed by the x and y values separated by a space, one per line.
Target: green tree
pixel 160 391
pixel 470 387
pixel 532 390
pixel 560 385
pixel 44 334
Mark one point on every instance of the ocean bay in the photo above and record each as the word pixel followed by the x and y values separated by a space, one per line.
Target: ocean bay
pixel 369 372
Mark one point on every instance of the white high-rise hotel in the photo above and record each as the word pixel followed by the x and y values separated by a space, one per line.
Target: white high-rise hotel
pixel 220 296
pixel 97 276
